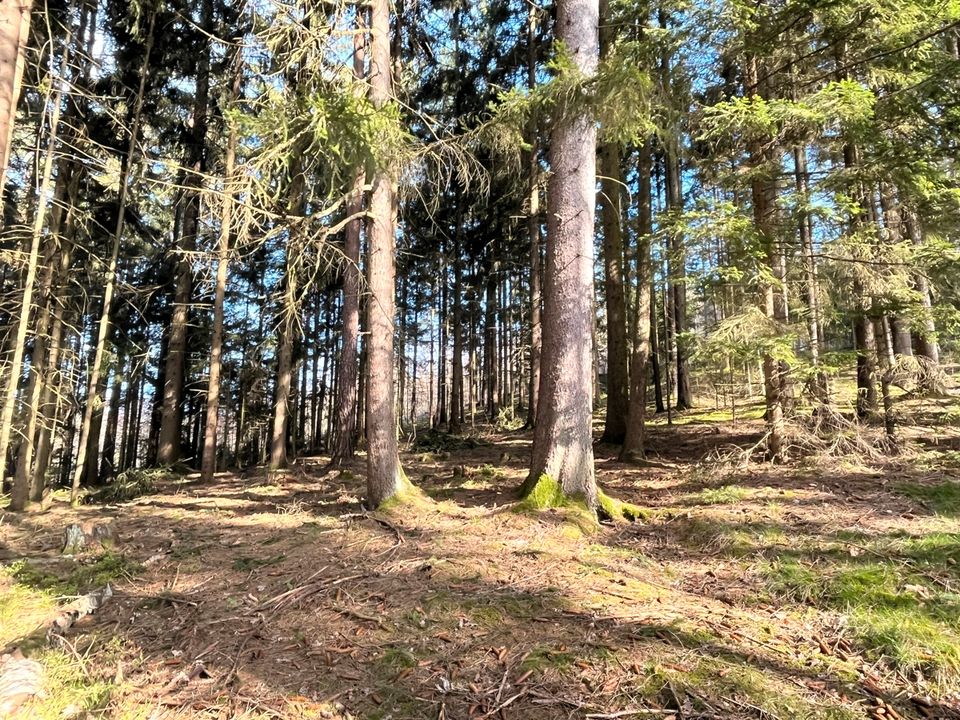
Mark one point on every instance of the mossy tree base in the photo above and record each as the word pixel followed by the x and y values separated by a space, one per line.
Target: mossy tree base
pixel 406 495
pixel 545 492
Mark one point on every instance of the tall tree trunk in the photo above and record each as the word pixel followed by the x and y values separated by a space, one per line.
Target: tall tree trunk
pixel 21 488
pixel 287 326
pixel 633 443
pixel 111 278
pixel 208 462
pixel 171 418
pixel 14 34
pixel 345 408
pixel 611 205
pixel 563 442
pixel 385 477
pixel 533 226
pixel 678 277
pixel 763 192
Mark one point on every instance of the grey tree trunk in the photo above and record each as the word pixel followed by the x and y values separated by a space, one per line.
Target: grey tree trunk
pixel 385 477
pixel 111 279
pixel 611 205
pixel 633 442
pixel 563 442
pixel 345 412
pixel 208 461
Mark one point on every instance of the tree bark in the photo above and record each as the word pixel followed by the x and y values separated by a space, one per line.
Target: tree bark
pixel 208 462
pixel 287 326
pixel 611 205
pixel 490 346
pixel 171 418
pixel 385 477
pixel 21 488
pixel 111 278
pixel 633 443
pixel 456 386
pixel 108 456
pixel 563 443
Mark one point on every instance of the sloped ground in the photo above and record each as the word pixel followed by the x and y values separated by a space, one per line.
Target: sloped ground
pixel 824 590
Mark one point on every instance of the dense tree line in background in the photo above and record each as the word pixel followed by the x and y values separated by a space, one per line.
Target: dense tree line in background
pixel 237 235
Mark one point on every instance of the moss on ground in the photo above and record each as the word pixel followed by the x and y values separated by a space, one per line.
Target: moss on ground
pixel 896 613
pixel 81 578
pixel 709 684
pixel 943 498
pixel 725 495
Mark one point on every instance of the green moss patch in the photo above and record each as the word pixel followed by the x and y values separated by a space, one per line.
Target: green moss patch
pixel 943 498
pixel 80 579
pixel 709 685
pixel 896 613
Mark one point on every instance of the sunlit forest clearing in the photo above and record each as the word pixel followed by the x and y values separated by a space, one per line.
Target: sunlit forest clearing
pixel 445 360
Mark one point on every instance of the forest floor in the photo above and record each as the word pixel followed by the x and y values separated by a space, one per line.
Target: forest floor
pixel 823 588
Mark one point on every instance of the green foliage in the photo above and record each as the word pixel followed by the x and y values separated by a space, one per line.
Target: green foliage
pixel 130 485
pixel 618 95
pixel 749 335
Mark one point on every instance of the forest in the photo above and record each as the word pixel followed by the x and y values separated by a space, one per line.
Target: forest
pixel 403 359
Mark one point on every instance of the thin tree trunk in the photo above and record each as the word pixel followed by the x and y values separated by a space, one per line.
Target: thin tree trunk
pixel 111 278
pixel 21 489
pixel 655 350
pixel 344 428
pixel 208 462
pixel 633 443
pixel 456 386
pixel 611 204
pixel 288 323
pixel 678 278
pixel 108 455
